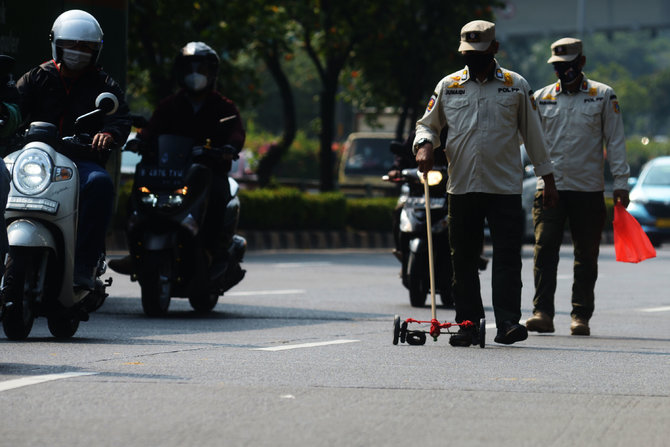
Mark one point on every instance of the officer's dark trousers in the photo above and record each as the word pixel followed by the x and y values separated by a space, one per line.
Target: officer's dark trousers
pixel 96 198
pixel 466 225
pixel 585 212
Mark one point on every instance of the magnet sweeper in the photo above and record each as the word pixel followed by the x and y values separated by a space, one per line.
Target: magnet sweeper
pixel 401 332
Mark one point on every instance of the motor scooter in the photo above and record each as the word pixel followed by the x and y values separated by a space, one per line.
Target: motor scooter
pixel 413 236
pixel 41 217
pixel 169 206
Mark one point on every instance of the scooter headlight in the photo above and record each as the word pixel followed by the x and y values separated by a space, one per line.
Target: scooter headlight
pixel 434 178
pixel 32 172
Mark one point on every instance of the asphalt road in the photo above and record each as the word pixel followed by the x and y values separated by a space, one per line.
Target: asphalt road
pixel 300 353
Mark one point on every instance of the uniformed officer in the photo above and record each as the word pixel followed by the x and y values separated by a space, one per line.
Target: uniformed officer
pixel 485 109
pixel 579 117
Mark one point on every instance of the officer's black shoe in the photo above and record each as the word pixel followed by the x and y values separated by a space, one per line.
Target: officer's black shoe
pixel 122 265
pixel 465 336
pixel 510 333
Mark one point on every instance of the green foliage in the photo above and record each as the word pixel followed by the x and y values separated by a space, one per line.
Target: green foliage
pixel 289 209
pixel 373 213
pixel 300 162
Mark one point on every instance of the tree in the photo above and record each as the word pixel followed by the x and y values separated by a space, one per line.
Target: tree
pixel 416 47
pixel 329 31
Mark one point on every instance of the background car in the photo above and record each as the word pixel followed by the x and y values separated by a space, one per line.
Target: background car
pixel 650 199
pixel 366 157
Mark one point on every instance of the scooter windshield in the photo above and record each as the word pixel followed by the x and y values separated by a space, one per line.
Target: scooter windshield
pixel 174 151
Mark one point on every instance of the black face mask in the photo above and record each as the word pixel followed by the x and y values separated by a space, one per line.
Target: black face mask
pixel 568 72
pixel 477 62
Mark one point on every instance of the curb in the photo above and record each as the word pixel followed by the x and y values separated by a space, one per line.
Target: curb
pixel 286 240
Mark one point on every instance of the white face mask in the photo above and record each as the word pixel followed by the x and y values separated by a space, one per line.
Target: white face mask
pixel 195 81
pixel 76 60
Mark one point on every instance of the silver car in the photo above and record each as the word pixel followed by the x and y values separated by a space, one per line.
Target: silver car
pixel 650 199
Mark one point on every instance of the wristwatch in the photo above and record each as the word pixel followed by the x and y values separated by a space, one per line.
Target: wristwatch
pixel 421 142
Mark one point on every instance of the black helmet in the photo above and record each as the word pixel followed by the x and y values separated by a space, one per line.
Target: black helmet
pixel 195 60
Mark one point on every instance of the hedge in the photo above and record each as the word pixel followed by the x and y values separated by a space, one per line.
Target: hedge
pixel 290 209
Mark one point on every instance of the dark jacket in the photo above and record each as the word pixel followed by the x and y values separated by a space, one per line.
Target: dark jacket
pixel 45 95
pixel 175 115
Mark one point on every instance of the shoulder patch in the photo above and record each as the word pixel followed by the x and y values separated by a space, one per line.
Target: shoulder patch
pixel 508 80
pixel 615 105
pixel 593 91
pixel 531 96
pixel 431 102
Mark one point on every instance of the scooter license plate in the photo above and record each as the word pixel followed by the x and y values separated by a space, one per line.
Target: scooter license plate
pixel 419 202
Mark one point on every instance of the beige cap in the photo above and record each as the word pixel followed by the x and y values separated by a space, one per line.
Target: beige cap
pixel 477 35
pixel 565 50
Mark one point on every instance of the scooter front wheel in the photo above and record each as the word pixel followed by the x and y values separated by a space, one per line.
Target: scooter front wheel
pixel 63 327
pixel 204 302
pixel 154 282
pixel 19 279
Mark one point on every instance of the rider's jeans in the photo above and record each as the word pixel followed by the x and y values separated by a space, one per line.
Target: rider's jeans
pixel 96 198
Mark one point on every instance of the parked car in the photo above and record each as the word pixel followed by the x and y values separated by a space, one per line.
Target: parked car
pixel 366 157
pixel 650 199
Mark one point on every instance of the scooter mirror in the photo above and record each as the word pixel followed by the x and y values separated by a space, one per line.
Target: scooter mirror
pixel 108 102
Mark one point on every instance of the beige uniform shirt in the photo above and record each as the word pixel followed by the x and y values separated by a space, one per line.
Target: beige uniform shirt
pixel 577 127
pixel 484 122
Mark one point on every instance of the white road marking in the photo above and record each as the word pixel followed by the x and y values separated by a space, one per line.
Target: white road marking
pixel 290 265
pixel 267 292
pixel 34 380
pixel 305 345
pixel 656 309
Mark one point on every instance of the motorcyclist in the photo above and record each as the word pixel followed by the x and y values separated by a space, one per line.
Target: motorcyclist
pixel 404 159
pixel 62 89
pixel 200 112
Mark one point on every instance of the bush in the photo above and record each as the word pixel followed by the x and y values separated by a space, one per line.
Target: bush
pixel 373 214
pixel 289 209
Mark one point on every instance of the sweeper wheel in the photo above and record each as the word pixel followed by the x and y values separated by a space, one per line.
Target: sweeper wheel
pixel 482 333
pixel 416 338
pixel 396 329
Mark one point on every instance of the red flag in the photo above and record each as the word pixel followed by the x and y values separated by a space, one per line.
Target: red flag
pixel 631 243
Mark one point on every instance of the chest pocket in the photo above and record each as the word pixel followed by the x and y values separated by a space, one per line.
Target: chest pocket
pixel 590 120
pixel 506 109
pixel 459 116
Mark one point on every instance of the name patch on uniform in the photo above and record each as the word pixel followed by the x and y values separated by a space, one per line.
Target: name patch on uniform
pixel 508 89
pixel 593 99
pixel 544 102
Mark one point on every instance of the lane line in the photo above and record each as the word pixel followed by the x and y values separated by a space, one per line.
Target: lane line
pixel 305 345
pixel 34 380
pixel 268 292
pixel 656 309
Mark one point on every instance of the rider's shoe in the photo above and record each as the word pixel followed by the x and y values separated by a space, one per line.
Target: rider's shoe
pixel 122 265
pixel 84 278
